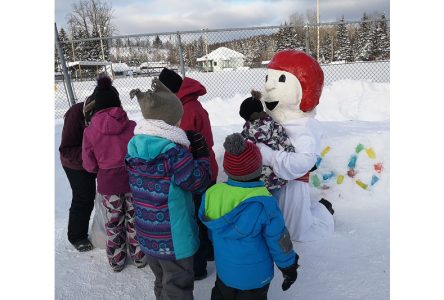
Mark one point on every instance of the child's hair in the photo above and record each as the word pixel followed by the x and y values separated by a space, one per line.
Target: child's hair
pixel 250 105
pixel 89 108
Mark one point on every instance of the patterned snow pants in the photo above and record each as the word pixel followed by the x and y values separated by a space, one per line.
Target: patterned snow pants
pixel 120 231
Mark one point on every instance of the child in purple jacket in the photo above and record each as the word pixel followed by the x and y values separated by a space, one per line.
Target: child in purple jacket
pixel 104 148
pixel 259 127
pixel 83 183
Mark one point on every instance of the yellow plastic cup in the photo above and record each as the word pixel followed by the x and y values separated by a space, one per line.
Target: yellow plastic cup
pixel 340 179
pixel 370 153
pixel 325 151
pixel 361 184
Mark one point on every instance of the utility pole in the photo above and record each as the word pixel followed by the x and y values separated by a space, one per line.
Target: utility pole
pixel 317 20
pixel 101 44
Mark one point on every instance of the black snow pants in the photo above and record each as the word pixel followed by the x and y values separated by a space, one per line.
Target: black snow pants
pixel 83 185
pixel 221 291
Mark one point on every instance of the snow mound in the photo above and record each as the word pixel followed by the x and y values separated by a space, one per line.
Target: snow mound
pixel 358 100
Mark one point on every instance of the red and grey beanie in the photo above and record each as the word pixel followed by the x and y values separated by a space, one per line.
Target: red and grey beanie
pixel 306 69
pixel 242 158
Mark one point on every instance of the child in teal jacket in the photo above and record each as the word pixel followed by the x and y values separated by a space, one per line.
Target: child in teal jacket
pixel 162 175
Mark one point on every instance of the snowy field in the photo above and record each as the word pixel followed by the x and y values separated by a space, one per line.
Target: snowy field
pixel 351 264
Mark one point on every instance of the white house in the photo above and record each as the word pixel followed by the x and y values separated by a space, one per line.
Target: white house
pixel 121 69
pixel 220 59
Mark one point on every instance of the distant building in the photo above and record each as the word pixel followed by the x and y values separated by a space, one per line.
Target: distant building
pixel 121 69
pixel 88 69
pixel 221 59
pixel 152 68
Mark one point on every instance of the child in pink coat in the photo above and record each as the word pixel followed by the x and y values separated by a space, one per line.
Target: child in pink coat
pixel 104 148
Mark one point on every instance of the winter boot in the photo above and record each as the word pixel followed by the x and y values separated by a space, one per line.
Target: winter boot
pixel 327 205
pixel 83 245
pixel 140 264
pixel 201 276
pixel 117 269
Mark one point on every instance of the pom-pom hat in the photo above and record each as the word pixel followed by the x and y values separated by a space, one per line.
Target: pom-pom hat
pixel 251 105
pixel 105 94
pixel 159 103
pixel 242 158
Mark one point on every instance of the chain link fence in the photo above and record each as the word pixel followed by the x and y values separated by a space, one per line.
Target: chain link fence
pixel 225 61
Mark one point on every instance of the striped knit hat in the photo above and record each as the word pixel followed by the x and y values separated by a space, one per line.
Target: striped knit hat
pixel 242 158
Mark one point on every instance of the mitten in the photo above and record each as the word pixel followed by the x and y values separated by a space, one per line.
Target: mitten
pixel 290 274
pixel 267 154
pixel 198 145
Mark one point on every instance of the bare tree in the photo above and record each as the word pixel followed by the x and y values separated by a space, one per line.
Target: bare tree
pixel 92 16
pixel 297 19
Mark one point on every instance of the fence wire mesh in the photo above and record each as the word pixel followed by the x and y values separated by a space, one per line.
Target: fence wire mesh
pixel 227 60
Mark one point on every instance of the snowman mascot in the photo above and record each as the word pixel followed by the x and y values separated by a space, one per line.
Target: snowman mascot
pixel 293 86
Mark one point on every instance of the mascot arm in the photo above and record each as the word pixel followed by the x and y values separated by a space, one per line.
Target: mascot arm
pixel 287 165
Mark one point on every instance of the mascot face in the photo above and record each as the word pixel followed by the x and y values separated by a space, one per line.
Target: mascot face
pixel 293 86
pixel 282 95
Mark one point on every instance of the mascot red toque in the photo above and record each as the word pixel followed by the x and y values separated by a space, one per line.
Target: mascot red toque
pixel 307 71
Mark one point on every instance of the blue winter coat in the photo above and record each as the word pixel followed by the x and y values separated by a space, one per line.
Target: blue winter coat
pixel 248 233
pixel 162 176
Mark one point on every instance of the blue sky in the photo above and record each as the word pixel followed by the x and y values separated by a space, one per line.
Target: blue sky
pixel 137 16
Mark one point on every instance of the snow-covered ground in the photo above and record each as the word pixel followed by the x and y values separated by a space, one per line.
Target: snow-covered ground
pixel 351 264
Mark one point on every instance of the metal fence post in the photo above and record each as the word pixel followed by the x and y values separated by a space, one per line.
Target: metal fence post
pixel 181 62
pixel 66 76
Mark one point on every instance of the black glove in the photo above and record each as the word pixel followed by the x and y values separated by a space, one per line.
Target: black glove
pixel 198 145
pixel 290 274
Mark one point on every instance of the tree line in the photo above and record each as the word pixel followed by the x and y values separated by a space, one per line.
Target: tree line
pixel 367 40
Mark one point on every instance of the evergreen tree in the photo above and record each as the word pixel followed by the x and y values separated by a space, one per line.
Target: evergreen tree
pixel 79 48
pixel 281 39
pixel 326 49
pixel 287 38
pixel 157 43
pixel 380 43
pixel 343 53
pixel 93 48
pixel 199 49
pixel 63 37
pixel 56 60
pixel 188 52
pixel 362 49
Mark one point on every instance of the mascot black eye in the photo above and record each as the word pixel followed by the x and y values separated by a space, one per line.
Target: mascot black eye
pixel 282 78
pixel 266 78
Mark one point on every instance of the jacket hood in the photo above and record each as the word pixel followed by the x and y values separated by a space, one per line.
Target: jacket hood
pixel 190 90
pixel 242 220
pixel 110 121
pixel 148 147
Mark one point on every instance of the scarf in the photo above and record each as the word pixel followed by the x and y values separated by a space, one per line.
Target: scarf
pixel 161 129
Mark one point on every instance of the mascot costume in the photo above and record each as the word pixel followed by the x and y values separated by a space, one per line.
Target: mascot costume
pixel 293 86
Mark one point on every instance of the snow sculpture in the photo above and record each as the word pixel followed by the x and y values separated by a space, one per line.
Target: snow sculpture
pixel 293 87
pixel 97 232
